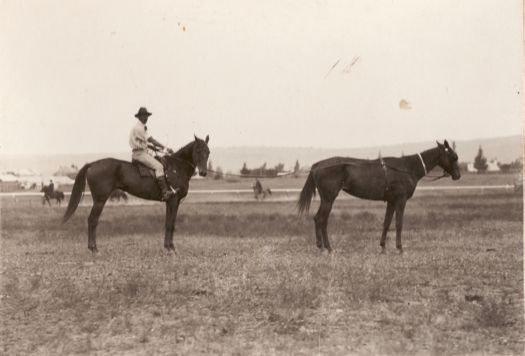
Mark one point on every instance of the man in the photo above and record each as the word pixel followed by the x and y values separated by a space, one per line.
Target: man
pixel 51 187
pixel 140 140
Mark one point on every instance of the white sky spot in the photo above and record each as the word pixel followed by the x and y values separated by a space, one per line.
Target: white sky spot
pixel 405 105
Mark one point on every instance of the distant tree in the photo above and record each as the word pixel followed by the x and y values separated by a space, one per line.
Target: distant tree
pixel 244 170
pixel 210 166
pixel 480 162
pixel 517 164
pixel 454 146
pixel 279 167
pixel 504 167
pixel 296 169
pixel 218 173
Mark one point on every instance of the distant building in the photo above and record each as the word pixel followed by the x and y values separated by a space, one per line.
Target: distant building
pixel 67 171
pixel 493 166
pixel 8 182
pixel 470 168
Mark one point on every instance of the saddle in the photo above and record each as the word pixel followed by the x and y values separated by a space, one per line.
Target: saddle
pixel 144 170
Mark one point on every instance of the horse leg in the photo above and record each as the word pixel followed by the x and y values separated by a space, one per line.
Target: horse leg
pixel 400 211
pixel 96 210
pixel 325 226
pixel 386 224
pixel 172 207
pixel 321 224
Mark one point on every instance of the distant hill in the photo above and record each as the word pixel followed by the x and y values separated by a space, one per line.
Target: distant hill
pixel 504 149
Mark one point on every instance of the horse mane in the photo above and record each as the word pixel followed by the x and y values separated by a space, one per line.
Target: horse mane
pixel 182 154
pixel 183 150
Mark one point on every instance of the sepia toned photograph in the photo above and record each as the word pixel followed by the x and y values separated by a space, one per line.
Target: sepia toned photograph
pixel 318 177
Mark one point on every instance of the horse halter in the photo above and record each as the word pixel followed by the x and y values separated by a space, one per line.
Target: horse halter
pixel 423 163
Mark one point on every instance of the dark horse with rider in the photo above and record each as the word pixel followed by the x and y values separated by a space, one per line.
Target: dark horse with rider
pixel 51 193
pixel 163 177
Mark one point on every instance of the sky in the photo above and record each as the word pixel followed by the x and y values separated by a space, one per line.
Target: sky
pixel 257 73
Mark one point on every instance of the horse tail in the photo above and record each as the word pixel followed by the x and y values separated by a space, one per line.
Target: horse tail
pixel 305 198
pixel 76 193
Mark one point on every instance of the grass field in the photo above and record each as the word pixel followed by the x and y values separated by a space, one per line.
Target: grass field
pixel 247 279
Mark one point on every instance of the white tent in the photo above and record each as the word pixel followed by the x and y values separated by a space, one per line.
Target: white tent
pixel 7 177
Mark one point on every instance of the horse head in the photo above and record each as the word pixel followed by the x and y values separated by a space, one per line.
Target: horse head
pixel 195 155
pixel 200 154
pixel 448 160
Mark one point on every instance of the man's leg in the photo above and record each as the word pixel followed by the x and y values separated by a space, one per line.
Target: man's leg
pixel 152 163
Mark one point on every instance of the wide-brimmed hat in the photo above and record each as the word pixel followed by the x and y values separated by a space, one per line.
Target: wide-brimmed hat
pixel 142 112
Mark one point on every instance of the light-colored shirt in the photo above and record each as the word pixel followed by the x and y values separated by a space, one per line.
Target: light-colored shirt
pixel 138 137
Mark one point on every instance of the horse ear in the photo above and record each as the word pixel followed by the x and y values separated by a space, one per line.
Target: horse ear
pixel 195 137
pixel 446 144
pixel 207 139
pixel 439 144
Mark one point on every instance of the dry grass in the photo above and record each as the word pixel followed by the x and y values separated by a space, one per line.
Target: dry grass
pixel 247 279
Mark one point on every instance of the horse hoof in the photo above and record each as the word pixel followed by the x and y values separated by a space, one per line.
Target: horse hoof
pixel 170 248
pixel 383 251
pixel 400 250
pixel 326 251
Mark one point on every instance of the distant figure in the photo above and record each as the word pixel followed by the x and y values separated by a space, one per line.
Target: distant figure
pixel 518 184
pixel 257 186
pixel 259 192
pixel 51 187
pixel 54 194
pixel 118 194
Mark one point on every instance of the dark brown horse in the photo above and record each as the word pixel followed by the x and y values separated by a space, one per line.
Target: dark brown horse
pixel 108 174
pixel 389 179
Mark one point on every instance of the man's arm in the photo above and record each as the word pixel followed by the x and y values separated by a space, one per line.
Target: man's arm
pixel 155 143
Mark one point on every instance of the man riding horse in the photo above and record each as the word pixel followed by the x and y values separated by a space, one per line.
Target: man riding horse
pixel 140 141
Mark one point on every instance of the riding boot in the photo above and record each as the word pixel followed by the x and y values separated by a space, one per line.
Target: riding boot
pixel 165 193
